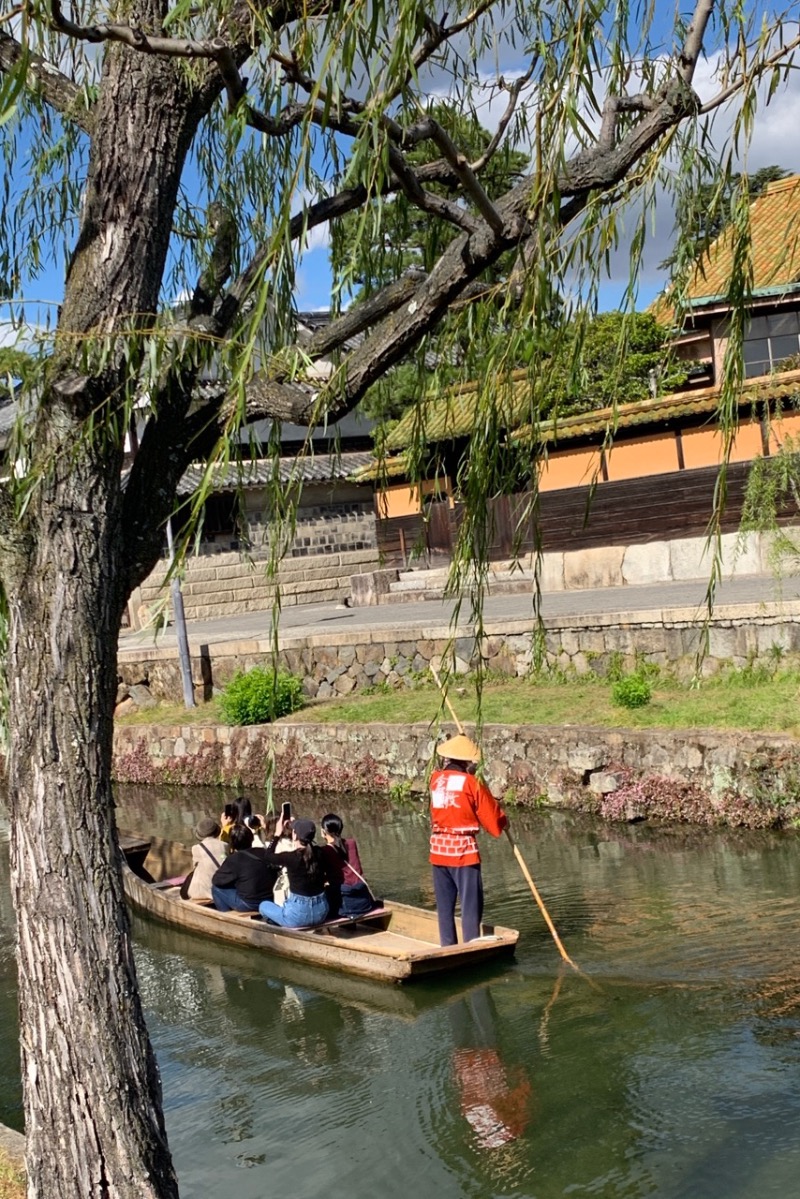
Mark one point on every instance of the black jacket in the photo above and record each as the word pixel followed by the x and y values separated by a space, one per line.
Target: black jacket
pixel 249 872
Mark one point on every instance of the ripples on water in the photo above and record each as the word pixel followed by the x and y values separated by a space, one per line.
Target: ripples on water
pixel 675 1075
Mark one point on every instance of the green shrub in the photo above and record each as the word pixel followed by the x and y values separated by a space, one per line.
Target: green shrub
pixel 632 691
pixel 260 696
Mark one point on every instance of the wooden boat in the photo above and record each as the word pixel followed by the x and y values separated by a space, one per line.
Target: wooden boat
pixel 396 943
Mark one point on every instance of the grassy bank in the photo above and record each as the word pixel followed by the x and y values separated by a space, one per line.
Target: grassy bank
pixel 747 699
pixel 12 1178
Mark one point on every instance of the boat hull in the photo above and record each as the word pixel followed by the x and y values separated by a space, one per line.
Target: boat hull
pixel 398 946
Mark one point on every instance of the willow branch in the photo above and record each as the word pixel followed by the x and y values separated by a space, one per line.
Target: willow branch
pixel 693 45
pixel 427 201
pixel 467 176
pixel 514 91
pixel 223 227
pixel 363 316
pixel 135 38
pixel 57 91
pixel 279 390
pixel 438 34
pixel 756 72
pixel 319 213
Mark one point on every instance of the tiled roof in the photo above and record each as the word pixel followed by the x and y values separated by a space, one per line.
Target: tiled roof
pixel 454 413
pixel 377 470
pixel 316 468
pixel 703 401
pixel 775 240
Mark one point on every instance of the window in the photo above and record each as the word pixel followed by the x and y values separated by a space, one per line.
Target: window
pixel 769 340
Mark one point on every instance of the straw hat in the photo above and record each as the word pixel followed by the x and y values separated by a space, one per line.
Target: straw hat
pixel 460 749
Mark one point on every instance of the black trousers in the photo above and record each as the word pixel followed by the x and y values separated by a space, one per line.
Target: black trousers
pixel 465 884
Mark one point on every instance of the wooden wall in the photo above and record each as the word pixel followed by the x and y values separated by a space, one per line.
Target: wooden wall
pixel 618 512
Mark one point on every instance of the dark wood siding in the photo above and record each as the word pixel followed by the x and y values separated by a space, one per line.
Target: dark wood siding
pixel 628 512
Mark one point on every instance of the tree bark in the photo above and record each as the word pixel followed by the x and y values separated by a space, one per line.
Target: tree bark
pixel 91 1086
pixel 94 1122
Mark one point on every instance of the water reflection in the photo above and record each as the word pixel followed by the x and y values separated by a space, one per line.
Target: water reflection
pixel 676 1075
pixel 494 1097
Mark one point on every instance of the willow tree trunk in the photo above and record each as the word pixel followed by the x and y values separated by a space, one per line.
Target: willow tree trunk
pixel 70 551
pixel 91 1085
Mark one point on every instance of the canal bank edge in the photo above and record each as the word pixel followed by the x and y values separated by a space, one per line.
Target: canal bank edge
pixel 345 662
pixel 702 776
pixel 12 1145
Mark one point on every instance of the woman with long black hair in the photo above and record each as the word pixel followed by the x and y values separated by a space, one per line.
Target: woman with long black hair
pixel 349 893
pixel 306 902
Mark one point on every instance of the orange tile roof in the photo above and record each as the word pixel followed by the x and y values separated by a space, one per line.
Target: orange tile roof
pixel 775 242
pixel 704 401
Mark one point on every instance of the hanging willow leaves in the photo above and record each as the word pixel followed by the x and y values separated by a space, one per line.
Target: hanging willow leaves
pixel 163 171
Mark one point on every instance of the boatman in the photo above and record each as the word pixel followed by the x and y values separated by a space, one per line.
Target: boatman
pixel 461 805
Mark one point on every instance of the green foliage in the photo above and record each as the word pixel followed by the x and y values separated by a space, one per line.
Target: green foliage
pixel 401 792
pixel 616 667
pixel 260 696
pixel 622 359
pixel 632 691
pixel 16 367
pixel 773 494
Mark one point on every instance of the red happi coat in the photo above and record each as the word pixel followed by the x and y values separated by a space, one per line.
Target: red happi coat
pixel 460 806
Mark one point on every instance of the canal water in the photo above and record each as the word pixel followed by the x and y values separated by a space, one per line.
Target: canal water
pixel 674 1071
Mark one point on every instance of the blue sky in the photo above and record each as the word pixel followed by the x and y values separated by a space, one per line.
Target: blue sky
pixel 774 141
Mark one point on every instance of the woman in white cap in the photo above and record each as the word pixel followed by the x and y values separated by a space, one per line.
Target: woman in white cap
pixel 461 805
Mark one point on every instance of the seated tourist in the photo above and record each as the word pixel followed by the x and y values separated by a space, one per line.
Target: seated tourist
pixel 305 901
pixel 258 827
pixel 245 878
pixel 207 857
pixel 239 811
pixel 348 892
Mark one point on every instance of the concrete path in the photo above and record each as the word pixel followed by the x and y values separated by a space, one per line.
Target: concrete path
pixel 335 618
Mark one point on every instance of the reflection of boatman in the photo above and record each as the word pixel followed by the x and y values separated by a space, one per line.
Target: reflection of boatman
pixel 494 1100
pixel 461 805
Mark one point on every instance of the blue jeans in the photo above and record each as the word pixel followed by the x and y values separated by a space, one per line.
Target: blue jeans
pixel 298 910
pixel 228 899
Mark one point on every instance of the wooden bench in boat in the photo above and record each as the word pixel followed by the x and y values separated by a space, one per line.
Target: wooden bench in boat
pixel 173 884
pixel 339 922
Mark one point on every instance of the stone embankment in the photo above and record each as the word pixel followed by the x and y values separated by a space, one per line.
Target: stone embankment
pixel 697 775
pixel 12 1144
pixel 227 584
pixel 669 638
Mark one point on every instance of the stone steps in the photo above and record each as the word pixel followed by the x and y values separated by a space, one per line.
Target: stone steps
pixel 413 585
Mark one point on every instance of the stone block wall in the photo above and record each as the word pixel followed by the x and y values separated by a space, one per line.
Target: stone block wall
pixel 229 584
pixel 331 519
pixel 372 656
pixel 335 537
pixel 724 777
